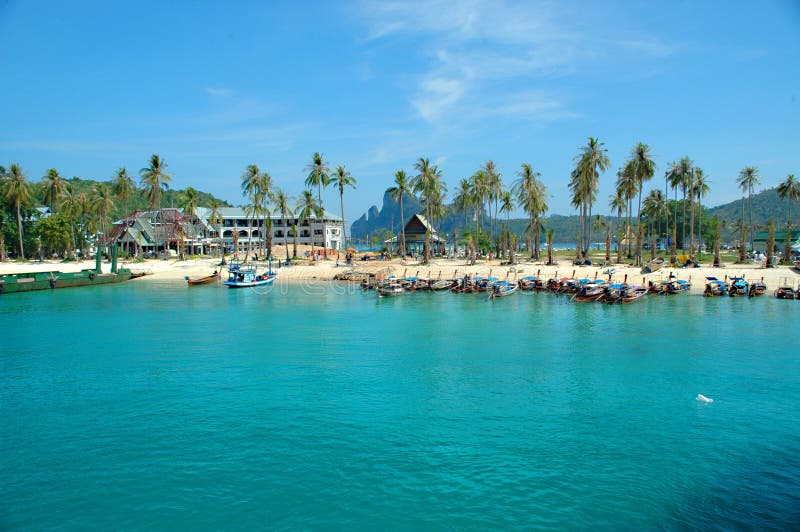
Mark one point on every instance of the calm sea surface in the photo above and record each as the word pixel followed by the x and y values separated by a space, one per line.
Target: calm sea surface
pixel 152 406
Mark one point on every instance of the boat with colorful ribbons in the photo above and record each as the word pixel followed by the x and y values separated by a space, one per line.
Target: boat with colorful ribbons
pixel 738 287
pixel 757 288
pixel 502 289
pixel 715 287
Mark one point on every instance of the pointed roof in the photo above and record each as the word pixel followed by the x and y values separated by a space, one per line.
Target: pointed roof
pixel 422 220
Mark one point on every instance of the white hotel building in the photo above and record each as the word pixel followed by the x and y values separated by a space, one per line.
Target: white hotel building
pixel 326 232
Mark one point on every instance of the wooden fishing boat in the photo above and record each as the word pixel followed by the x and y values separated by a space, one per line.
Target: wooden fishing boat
pixel 633 293
pixel 484 285
pixel 715 287
pixel 208 279
pixel 738 287
pixel 786 291
pixel 390 287
pixel 441 284
pixel 528 283
pixel 502 289
pixel 614 293
pixel 245 275
pixel 679 286
pixel 757 288
pixel 590 291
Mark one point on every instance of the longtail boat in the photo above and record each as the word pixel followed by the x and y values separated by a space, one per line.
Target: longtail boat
pixel 738 287
pixel 502 289
pixel 757 288
pixel 390 287
pixel 208 279
pixel 590 291
pixel 715 287
pixel 633 293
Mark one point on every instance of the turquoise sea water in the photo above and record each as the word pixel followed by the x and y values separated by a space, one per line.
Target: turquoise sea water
pixel 152 406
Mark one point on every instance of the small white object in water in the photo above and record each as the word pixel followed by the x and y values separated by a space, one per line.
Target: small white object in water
pixel 703 398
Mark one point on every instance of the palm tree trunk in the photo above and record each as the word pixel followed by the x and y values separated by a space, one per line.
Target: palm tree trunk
pixel 324 244
pixel 344 230
pixel 750 208
pixel 691 223
pixel 402 227
pixel 683 222
pixel 639 232
pixel 535 250
pixel 19 232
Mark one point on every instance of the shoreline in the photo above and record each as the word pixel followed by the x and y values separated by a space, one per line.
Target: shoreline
pixel 325 270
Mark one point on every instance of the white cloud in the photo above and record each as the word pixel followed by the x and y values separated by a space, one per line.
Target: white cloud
pixel 479 52
pixel 219 92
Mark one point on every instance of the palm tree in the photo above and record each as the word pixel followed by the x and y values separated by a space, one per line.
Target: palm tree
pixel 493 186
pixel 215 217
pixel 102 202
pixel 680 177
pixel 281 201
pixel 674 179
pixel 428 183
pixel 318 176
pixel 54 188
pixel 69 207
pixel 655 207
pixel 190 202
pixel 589 165
pixel 155 180
pixel 626 190
pixel 480 190
pixel 549 236
pixel 251 211
pixel 789 190
pixel 715 226
pixel 700 189
pixel 506 206
pixel 741 227
pixel 257 187
pixel 402 186
pixel 642 168
pixel 17 192
pixel 306 209
pixel 124 187
pixel 531 194
pixel 617 203
pixel 748 179
pixel 342 178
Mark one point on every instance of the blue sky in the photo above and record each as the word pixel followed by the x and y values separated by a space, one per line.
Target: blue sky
pixel 92 86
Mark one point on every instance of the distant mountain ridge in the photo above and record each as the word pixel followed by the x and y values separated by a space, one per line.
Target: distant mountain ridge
pixel 767 205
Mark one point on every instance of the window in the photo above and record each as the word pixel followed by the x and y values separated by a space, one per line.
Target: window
pixel 278 234
pixel 278 223
pixel 317 231
pixel 227 234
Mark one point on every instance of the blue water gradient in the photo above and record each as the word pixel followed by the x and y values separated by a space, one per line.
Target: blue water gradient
pixel 151 405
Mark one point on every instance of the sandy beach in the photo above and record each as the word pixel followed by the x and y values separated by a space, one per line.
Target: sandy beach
pixel 325 270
